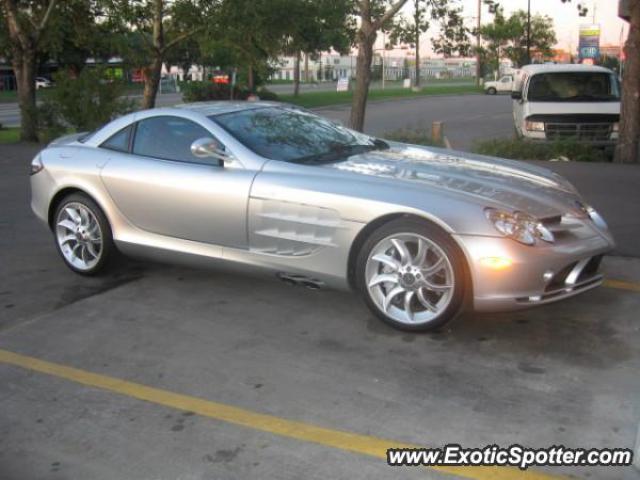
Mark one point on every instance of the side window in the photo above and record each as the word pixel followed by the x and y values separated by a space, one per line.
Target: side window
pixel 119 141
pixel 169 138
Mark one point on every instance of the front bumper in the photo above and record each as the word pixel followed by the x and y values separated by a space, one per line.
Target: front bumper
pixel 537 275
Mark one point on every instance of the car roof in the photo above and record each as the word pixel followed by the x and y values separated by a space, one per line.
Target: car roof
pixel 225 106
pixel 562 67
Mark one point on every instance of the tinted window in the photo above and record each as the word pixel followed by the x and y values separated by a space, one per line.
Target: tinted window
pixel 119 141
pixel 293 135
pixel 573 87
pixel 169 138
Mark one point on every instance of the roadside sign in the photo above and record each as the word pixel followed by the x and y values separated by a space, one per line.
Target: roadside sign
pixel 407 83
pixel 343 84
pixel 589 44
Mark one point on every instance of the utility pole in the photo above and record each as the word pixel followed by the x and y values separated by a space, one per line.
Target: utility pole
pixel 528 32
pixel 478 67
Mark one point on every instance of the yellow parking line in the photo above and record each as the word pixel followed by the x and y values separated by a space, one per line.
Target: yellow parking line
pixel 351 442
pixel 622 285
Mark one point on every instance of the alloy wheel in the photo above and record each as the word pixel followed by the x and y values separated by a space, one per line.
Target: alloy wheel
pixel 409 278
pixel 79 236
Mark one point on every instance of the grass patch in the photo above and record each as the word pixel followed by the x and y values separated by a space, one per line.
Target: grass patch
pixel 517 149
pixel 415 136
pixel 321 99
pixel 9 135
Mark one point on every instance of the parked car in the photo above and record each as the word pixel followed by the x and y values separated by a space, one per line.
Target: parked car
pixel 420 232
pixel 504 85
pixel 42 82
pixel 557 102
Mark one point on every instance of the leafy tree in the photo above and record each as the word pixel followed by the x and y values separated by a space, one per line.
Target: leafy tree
pixel 157 27
pixel 253 31
pixel 508 37
pixel 373 15
pixel 320 25
pixel 453 33
pixel 27 22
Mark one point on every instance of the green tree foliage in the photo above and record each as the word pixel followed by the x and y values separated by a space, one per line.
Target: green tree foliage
pixel 507 37
pixel 447 15
pixel 82 102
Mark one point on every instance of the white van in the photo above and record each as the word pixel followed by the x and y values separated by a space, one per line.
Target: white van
pixel 556 102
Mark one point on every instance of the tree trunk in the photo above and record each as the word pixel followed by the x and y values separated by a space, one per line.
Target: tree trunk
pixel 250 79
pixel 151 82
pixel 306 67
pixel 627 150
pixel 296 75
pixel 366 39
pixel 417 83
pixel 153 71
pixel 24 69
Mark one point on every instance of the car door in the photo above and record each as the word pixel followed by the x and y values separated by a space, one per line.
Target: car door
pixel 505 84
pixel 160 187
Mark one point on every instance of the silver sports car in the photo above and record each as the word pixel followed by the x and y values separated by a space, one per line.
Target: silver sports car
pixel 419 232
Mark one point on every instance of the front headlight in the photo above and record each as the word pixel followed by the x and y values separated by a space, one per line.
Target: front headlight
pixel 519 226
pixel 534 126
pixel 597 218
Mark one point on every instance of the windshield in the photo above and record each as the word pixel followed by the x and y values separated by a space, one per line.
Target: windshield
pixel 574 87
pixel 290 135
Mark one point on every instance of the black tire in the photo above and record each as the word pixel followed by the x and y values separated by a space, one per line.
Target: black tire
pixel 107 252
pixel 491 91
pixel 462 284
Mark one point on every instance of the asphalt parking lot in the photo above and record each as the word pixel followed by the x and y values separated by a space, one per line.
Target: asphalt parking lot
pixel 162 372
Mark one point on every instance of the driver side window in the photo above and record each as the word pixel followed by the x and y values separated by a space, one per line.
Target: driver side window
pixel 169 138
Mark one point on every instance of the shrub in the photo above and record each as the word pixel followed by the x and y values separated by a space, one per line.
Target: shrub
pixel 208 91
pixel 82 103
pixel 415 136
pixel 518 149
pixel 268 95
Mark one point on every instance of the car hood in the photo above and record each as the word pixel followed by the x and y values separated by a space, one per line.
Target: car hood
pixel 490 181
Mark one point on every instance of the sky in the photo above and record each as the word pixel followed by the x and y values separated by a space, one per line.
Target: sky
pixel 564 15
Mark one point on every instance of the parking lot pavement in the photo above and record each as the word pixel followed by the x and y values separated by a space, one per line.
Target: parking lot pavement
pixel 560 374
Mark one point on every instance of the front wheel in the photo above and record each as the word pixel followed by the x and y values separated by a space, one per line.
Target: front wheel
pixel 83 235
pixel 412 275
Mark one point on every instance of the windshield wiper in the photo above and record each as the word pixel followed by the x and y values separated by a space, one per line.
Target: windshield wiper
pixel 339 152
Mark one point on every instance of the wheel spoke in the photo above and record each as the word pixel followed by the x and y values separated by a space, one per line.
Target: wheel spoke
pixel 434 268
pixel 68 224
pixel 424 301
pixel 84 215
pixel 73 214
pixel 387 260
pixel 401 248
pixel 390 296
pixel 407 305
pixel 435 287
pixel 92 249
pixel 421 256
pixel 67 239
pixel 383 278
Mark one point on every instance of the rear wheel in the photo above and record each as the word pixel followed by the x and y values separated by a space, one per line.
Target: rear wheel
pixel 491 91
pixel 83 235
pixel 412 275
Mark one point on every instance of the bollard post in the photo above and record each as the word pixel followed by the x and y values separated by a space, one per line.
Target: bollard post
pixel 437 132
pixel 636 451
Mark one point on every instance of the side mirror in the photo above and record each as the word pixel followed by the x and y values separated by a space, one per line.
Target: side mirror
pixel 207 147
pixel 516 95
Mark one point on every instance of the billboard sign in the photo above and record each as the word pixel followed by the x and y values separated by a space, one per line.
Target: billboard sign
pixel 589 45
